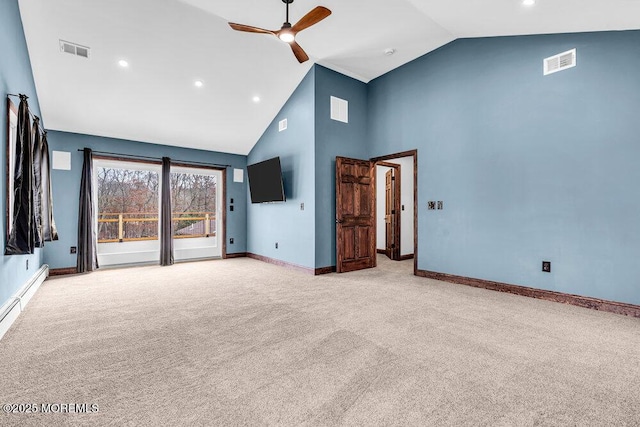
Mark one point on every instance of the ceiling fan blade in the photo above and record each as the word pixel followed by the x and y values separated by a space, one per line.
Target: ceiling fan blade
pixel 250 29
pixel 299 52
pixel 311 18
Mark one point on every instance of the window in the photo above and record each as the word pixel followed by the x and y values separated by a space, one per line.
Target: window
pixel 127 204
pixel 194 200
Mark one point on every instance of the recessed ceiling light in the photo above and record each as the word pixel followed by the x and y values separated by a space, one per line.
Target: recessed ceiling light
pixel 528 2
pixel 123 63
pixel 198 83
pixel 256 99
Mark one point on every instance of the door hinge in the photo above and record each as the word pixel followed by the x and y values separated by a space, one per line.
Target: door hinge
pixel 393 178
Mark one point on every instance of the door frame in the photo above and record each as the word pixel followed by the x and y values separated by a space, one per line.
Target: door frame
pixel 220 207
pixel 223 205
pixel 395 253
pixel 414 154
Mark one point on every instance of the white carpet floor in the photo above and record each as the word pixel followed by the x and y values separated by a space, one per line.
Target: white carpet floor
pixel 241 342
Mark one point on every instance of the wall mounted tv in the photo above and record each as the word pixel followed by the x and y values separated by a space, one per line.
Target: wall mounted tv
pixel 265 181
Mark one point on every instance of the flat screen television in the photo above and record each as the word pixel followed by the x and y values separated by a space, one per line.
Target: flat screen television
pixel 265 181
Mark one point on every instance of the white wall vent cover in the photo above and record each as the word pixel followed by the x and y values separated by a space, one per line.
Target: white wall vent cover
pixel 339 110
pixel 74 49
pixel 282 125
pixel 559 62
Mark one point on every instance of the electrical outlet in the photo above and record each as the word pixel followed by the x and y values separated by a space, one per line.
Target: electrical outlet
pixel 231 241
pixel 27 264
pixel 301 206
pixel 73 250
pixel 546 266
pixel 402 207
pixel 276 245
pixel 431 205
pixel 232 200
pixel 231 208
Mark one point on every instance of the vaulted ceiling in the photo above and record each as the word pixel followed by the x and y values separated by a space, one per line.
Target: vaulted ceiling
pixel 171 44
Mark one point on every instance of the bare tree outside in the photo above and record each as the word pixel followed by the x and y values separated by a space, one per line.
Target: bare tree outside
pixel 193 202
pixel 128 205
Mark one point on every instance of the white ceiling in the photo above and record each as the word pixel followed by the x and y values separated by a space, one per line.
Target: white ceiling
pixel 171 43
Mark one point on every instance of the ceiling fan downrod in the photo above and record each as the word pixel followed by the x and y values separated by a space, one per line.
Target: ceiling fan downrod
pixel 287 2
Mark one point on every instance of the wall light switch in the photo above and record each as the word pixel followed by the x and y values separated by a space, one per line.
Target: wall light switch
pixel 431 205
pixel 439 204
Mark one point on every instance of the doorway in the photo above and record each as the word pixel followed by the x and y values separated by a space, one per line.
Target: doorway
pixel 407 230
pixel 196 200
pixel 359 227
pixel 388 209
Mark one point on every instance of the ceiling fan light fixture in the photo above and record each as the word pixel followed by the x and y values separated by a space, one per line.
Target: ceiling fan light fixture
pixel 287 36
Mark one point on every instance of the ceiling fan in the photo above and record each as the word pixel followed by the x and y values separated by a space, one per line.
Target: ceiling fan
pixel 288 33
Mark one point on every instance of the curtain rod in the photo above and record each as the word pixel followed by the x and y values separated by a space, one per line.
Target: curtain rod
pixel 33 117
pixel 135 156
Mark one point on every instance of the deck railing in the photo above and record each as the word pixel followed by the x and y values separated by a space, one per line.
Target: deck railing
pixel 131 227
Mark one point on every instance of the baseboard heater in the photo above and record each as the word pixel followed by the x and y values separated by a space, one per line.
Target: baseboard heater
pixel 10 311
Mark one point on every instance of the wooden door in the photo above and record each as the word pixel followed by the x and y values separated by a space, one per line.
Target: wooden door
pixel 389 214
pixel 355 215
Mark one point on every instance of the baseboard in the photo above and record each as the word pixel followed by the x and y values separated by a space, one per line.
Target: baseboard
pixel 381 251
pixel 63 271
pixel 236 255
pixel 10 311
pixel 578 300
pixel 325 270
pixel 405 257
pixel 8 314
pixel 280 263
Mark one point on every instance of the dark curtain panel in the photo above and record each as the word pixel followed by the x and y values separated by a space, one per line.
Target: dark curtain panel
pixel 49 231
pixel 166 225
pixel 21 240
pixel 36 184
pixel 87 236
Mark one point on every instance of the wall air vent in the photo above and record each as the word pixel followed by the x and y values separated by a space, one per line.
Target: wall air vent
pixel 560 62
pixel 74 49
pixel 339 109
pixel 282 125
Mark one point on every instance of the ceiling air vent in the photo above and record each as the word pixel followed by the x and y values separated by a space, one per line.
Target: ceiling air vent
pixel 559 62
pixel 74 49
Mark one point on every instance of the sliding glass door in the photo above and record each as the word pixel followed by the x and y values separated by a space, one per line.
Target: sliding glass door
pixel 128 212
pixel 196 200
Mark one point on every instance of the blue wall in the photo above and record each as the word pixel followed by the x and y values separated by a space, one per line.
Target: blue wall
pixel 285 223
pixel 66 188
pixel 334 138
pixel 529 167
pixel 15 77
